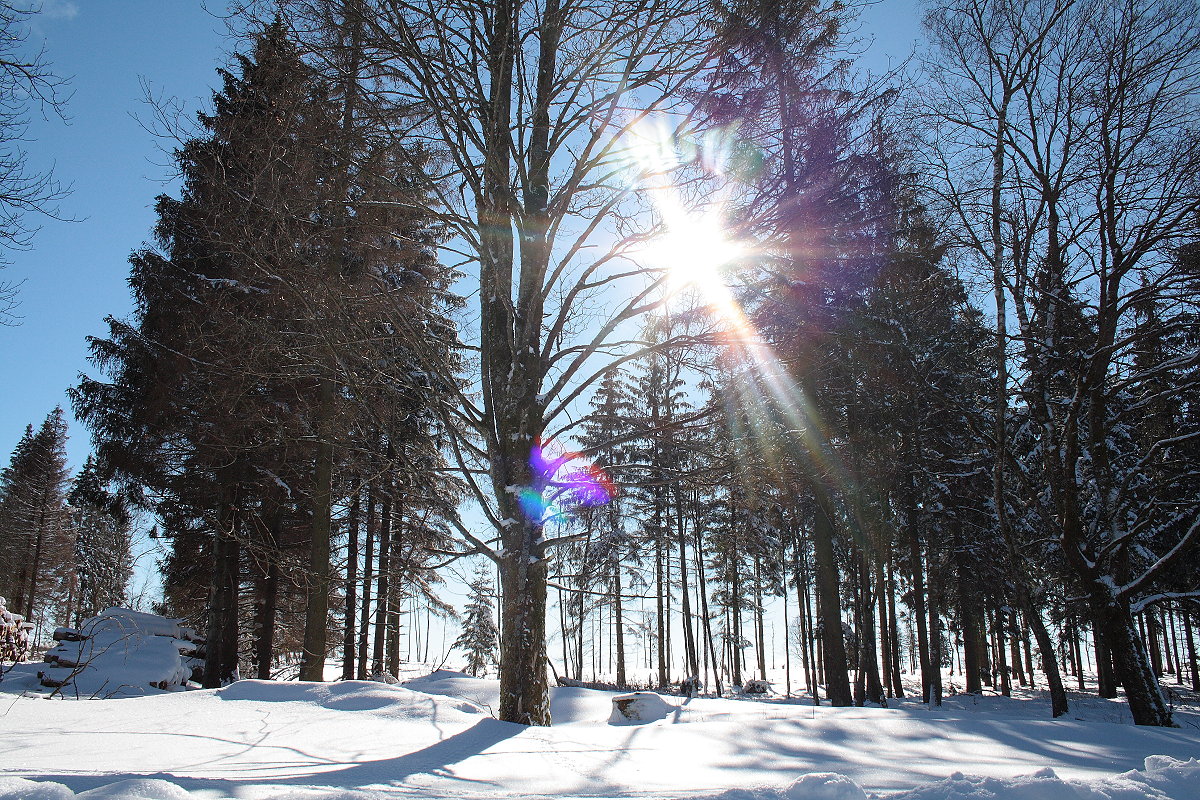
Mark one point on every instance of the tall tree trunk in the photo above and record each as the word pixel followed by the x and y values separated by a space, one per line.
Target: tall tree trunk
pixel 1193 662
pixel 383 585
pixel 704 612
pixel 893 624
pixel 364 619
pixel 316 608
pixel 220 663
pixel 868 656
pixel 1154 639
pixel 1130 662
pixel 268 599
pixel 837 679
pixel 759 633
pixel 1105 677
pixel 395 593
pixel 351 607
pixel 916 571
pixel 935 641
pixel 1058 693
pixel 1001 656
pixel 1009 619
pixel 619 624
pixel 689 632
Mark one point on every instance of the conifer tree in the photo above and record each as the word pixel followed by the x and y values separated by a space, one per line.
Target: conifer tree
pixel 290 313
pixel 35 531
pixel 104 559
pixel 479 638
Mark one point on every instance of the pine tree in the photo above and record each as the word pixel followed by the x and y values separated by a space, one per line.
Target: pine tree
pixel 479 638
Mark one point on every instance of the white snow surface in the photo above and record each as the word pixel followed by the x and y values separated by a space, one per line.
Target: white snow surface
pixel 434 737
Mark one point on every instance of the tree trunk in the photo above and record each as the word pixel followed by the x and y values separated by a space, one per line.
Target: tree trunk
pixel 220 663
pixel 1106 679
pixel 1193 662
pixel 316 608
pixel 268 600
pixel 919 611
pixel 868 657
pixel 1131 664
pixel 351 607
pixel 1058 693
pixel 894 626
pixel 704 612
pixel 1154 639
pixel 383 585
pixel 689 633
pixel 364 619
pixel 619 624
pixel 837 679
pixel 935 644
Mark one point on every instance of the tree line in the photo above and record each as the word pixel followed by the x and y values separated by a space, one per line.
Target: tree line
pixel 942 406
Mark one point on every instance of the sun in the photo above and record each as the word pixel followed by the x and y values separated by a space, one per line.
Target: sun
pixel 696 250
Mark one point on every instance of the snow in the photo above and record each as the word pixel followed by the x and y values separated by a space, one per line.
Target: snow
pixel 435 737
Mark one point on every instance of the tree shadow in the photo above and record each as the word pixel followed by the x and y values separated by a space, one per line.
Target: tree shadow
pixel 435 760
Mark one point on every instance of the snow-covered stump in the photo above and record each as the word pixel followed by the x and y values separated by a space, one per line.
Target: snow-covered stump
pixel 630 709
pixel 122 652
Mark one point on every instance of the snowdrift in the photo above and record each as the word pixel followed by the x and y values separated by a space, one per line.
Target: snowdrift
pixel 382 699
pixel 1162 779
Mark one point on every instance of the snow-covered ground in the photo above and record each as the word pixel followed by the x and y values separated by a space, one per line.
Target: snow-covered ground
pixel 434 737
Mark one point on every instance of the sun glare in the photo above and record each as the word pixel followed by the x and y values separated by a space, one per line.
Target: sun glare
pixel 696 251
pixel 694 246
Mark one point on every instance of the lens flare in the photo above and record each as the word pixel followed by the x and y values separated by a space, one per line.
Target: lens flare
pixel 698 250
pixel 568 483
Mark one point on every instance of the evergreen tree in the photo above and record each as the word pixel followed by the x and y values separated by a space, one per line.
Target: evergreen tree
pixel 289 321
pixel 479 638
pixel 104 559
pixel 35 532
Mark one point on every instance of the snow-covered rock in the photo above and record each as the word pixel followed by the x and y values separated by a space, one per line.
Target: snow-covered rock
pixel 638 707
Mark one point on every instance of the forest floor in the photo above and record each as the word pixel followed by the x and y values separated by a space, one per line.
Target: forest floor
pixel 435 737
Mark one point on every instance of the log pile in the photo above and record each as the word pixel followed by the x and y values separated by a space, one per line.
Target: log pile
pixel 122 652
pixel 15 635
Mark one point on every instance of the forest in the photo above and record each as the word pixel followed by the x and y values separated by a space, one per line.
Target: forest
pixel 662 320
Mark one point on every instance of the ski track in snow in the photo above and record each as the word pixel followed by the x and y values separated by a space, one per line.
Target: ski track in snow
pixel 433 737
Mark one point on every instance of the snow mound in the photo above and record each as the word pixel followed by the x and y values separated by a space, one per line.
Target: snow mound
pixel 824 786
pixel 394 702
pixel 21 789
pixel 137 789
pixel 122 653
pixel 638 707
pixel 1163 779
pixel 134 789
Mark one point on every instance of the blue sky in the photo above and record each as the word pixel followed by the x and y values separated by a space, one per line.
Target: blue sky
pixel 75 274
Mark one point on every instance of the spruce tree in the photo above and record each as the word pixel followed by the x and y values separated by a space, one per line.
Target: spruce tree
pixel 104 559
pixel 35 531
pixel 479 638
